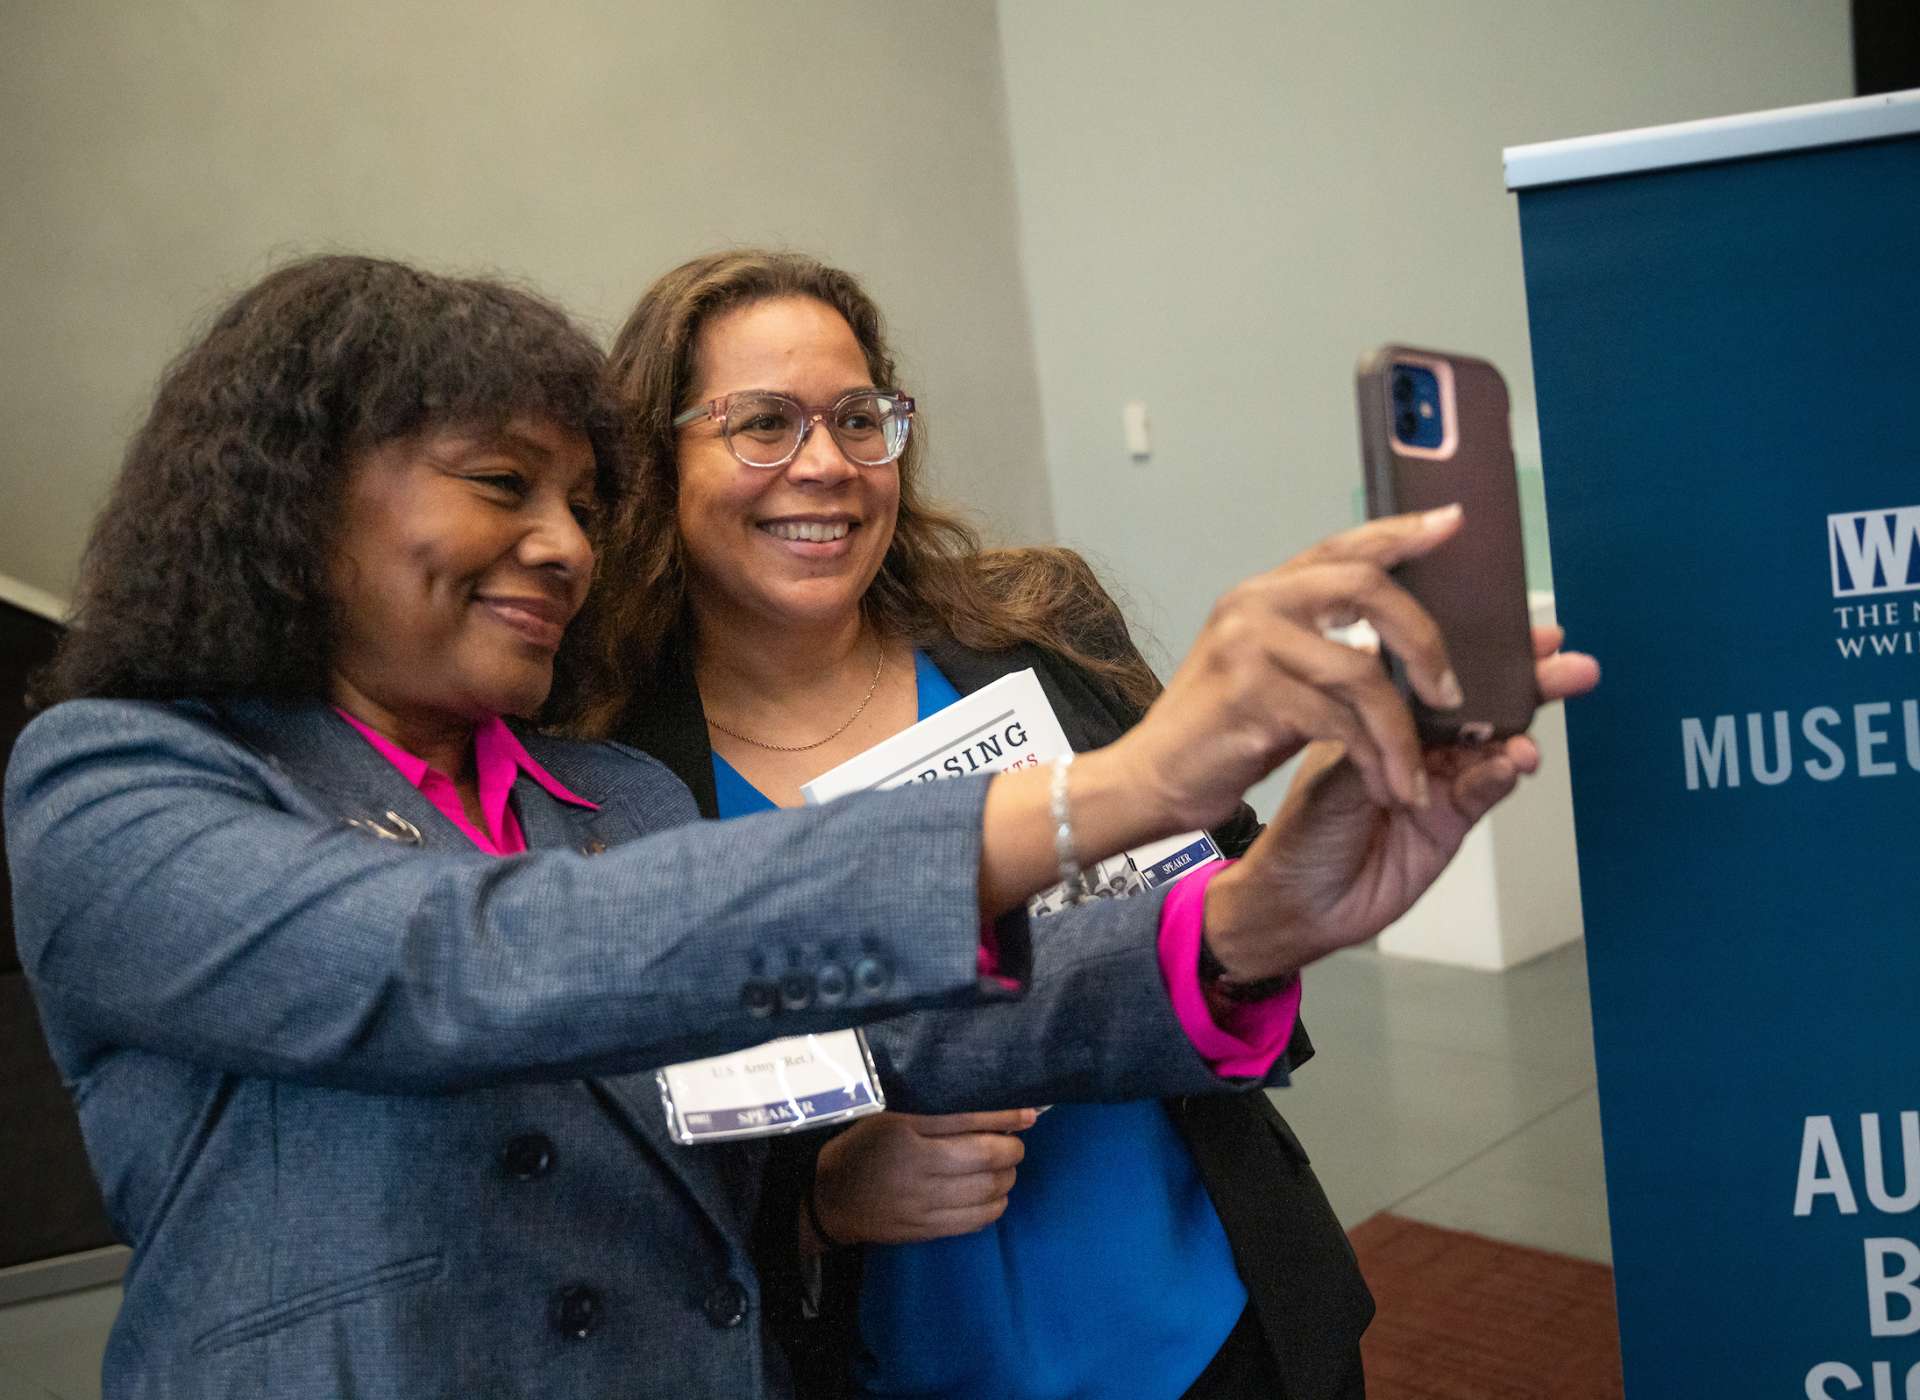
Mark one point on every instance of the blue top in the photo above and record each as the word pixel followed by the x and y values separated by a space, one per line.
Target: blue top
pixel 1068 1293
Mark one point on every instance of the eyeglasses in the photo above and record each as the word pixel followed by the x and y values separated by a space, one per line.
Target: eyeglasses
pixel 768 430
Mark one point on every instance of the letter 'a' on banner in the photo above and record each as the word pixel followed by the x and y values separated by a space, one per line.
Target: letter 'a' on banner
pixel 1725 319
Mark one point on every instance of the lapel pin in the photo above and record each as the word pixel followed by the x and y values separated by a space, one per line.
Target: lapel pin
pixel 396 828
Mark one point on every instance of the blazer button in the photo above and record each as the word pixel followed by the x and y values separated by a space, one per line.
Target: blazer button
pixel 726 1304
pixel 830 984
pixel 870 976
pixel 574 1311
pixel 595 847
pixel 759 997
pixel 527 1157
pixel 796 992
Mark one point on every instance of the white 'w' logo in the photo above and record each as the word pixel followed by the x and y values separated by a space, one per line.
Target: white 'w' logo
pixel 1875 551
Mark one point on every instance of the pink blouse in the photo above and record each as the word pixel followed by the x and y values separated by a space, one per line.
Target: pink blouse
pixel 498 758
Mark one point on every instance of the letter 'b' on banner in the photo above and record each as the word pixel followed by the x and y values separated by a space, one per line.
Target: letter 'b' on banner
pixel 1893 1268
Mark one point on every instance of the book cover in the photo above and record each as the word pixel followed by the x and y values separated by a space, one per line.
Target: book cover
pixel 1007 725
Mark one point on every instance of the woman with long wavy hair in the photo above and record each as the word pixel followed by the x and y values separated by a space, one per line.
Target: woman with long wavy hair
pixel 781 596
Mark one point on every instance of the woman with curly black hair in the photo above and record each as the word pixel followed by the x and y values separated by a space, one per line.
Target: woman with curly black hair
pixel 206 574
pixel 356 983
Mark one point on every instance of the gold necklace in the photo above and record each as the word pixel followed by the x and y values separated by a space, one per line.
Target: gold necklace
pixel 879 666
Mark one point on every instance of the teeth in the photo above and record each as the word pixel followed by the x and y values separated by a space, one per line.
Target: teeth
pixel 806 530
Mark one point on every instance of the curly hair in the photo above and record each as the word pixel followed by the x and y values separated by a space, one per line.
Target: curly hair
pixel 935 580
pixel 206 572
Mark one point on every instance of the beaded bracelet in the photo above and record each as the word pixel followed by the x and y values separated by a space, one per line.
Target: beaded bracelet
pixel 1071 875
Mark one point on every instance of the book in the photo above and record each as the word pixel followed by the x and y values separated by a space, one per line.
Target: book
pixel 1001 727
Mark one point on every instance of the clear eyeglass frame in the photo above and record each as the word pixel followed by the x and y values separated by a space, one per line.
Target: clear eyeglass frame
pixel 893 436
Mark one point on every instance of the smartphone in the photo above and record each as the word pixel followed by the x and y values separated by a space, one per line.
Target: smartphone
pixel 1433 430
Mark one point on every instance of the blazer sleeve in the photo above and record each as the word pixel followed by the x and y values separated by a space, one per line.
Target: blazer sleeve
pixel 167 900
pixel 1096 1025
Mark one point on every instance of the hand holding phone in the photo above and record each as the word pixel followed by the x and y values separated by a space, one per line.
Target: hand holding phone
pixel 1434 431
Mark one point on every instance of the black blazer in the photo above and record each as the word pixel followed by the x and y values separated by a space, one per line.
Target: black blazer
pixel 1302 1280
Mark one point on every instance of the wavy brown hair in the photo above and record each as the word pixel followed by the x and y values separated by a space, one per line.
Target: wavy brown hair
pixel 206 572
pixel 935 580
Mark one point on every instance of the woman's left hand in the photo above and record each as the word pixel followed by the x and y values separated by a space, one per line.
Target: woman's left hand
pixel 896 1178
pixel 1335 867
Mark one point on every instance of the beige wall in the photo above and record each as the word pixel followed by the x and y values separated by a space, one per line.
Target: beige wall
pixel 1224 203
pixel 1218 206
pixel 160 154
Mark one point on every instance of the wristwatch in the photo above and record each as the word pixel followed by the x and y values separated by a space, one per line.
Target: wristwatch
pixel 1214 977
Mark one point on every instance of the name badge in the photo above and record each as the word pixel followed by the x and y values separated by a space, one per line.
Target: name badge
pixel 803 1081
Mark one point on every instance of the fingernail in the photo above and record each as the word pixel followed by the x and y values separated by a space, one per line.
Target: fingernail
pixel 1451 696
pixel 1422 794
pixel 1445 515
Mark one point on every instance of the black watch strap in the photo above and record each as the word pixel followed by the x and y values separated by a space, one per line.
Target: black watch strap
pixel 1214 976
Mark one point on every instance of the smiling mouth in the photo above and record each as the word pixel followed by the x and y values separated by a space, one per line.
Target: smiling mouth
pixel 539 623
pixel 813 531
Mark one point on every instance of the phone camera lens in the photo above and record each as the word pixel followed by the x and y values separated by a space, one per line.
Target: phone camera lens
pixel 1408 424
pixel 1402 389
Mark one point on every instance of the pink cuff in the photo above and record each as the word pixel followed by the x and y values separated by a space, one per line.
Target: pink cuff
pixel 987 960
pixel 1252 1036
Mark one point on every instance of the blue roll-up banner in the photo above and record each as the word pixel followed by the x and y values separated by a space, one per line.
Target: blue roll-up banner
pixel 1726 342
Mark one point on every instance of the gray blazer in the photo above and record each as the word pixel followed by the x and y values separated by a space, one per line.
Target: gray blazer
pixel 375 1114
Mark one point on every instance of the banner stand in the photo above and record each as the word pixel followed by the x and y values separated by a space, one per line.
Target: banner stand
pixel 1725 320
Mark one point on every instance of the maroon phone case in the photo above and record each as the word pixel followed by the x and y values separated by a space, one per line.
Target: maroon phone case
pixel 1475 585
